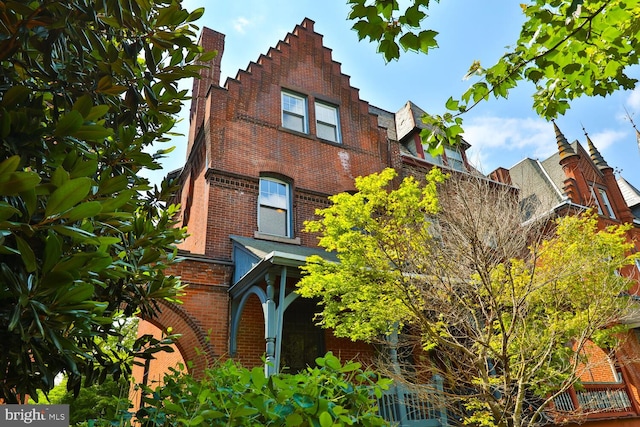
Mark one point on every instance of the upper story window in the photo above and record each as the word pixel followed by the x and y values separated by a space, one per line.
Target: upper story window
pixel 436 160
pixel 602 203
pixel 294 112
pixel 454 158
pixel 274 207
pixel 327 124
pixel 606 204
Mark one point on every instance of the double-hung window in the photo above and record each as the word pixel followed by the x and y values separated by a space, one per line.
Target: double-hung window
pixel 294 112
pixel 274 208
pixel 327 124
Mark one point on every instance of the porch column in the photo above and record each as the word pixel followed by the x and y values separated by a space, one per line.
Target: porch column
pixel 270 326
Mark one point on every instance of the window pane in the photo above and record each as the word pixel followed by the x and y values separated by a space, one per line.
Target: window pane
pixel 436 160
pixel 293 104
pixel 273 194
pixel 273 221
pixel 326 114
pixel 293 122
pixel 327 132
pixel 454 159
pixel 606 202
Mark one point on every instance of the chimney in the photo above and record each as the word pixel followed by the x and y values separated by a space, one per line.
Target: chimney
pixel 210 40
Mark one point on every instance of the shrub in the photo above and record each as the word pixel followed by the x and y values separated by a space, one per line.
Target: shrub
pixel 228 394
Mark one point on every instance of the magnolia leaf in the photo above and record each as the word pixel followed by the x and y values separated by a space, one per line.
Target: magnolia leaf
pixel 82 211
pixel 69 123
pixel 8 166
pixel 18 182
pixel 79 292
pixel 93 133
pixel 16 95
pixel 83 105
pixel 28 257
pixel 68 195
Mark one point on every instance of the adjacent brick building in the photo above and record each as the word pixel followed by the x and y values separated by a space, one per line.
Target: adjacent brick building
pixel 265 150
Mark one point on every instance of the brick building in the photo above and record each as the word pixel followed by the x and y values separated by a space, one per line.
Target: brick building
pixel 267 148
pixel 570 181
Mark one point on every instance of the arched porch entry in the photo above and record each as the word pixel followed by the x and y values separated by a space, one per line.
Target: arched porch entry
pixel 269 270
pixel 193 344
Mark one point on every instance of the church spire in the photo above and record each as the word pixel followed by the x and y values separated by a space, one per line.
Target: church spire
pixel 564 148
pixel 596 157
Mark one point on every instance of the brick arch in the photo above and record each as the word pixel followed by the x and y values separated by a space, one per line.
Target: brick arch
pixel 194 345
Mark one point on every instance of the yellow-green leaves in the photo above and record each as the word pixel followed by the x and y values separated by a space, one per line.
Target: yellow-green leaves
pixel 451 265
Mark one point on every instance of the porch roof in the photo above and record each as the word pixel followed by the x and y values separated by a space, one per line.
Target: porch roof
pixel 254 257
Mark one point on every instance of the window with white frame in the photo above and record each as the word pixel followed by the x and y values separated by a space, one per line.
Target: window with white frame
pixel 454 158
pixel 274 207
pixel 294 112
pixel 606 203
pixel 327 122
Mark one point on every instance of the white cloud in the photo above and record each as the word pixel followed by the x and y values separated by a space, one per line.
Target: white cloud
pixel 240 24
pixel 633 101
pixel 607 138
pixel 499 141
pixel 502 142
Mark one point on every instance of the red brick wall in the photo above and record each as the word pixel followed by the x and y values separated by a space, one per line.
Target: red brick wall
pixel 235 136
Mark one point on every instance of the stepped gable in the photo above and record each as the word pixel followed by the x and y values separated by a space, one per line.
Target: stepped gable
pixel 295 61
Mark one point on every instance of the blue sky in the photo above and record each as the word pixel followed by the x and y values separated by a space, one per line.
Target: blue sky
pixel 501 132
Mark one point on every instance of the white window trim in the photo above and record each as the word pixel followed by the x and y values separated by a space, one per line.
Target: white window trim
pixel 336 116
pixel 304 116
pixel 607 203
pixel 287 208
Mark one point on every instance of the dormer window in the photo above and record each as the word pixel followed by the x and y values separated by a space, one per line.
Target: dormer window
pixel 606 204
pixel 602 202
pixel 454 158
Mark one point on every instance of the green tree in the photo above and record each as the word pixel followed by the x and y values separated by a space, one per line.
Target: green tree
pixel 502 309
pixel 566 49
pixel 86 88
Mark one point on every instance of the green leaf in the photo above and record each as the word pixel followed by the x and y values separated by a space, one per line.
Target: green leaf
pixel 52 252
pixel 93 133
pixel 325 419
pixel 83 105
pixel 96 112
pixel 78 293
pixel 7 211
pixel 16 95
pixel 8 166
pixel 19 182
pixel 303 401
pixel 83 211
pixel 293 420
pixel 28 257
pixel 69 124
pixel 68 195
